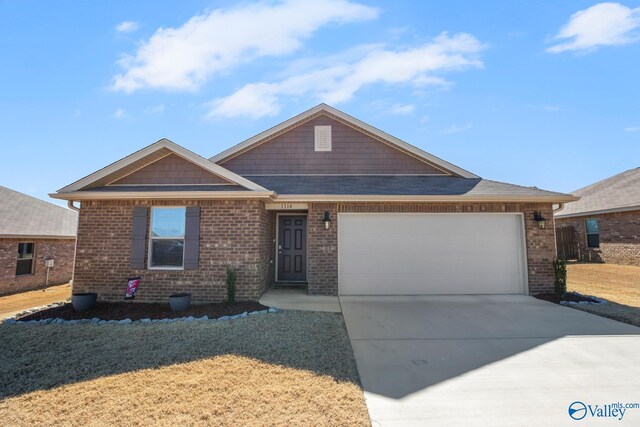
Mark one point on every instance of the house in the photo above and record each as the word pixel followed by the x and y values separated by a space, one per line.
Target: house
pixel 604 225
pixel 32 231
pixel 322 200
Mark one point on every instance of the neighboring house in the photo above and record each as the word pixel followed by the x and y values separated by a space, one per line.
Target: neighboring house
pixel 321 200
pixel 32 231
pixel 606 220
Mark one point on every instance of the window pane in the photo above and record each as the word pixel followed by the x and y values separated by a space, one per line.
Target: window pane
pixel 23 266
pixel 25 250
pixel 167 253
pixel 593 240
pixel 592 226
pixel 168 222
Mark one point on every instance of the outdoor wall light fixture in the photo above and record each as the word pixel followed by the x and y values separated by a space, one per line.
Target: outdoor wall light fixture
pixel 537 216
pixel 326 220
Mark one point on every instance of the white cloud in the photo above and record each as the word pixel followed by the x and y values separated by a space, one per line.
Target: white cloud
pixel 604 24
pixel 456 129
pixel 338 82
pixel 402 109
pixel 119 113
pixel 632 129
pixel 156 109
pixel 127 27
pixel 184 58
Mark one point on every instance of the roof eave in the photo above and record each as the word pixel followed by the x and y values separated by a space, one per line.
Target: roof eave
pixel 146 195
pixel 424 198
pixel 37 236
pixel 598 212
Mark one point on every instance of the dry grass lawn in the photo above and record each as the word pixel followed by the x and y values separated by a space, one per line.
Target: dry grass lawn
pixel 290 368
pixel 11 305
pixel 618 284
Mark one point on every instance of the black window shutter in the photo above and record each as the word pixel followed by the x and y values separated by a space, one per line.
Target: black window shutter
pixel 192 238
pixel 138 237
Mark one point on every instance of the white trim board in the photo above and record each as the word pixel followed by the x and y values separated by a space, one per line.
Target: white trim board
pixel 392 140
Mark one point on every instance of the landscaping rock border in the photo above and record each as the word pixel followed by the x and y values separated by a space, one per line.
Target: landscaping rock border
pixel 594 300
pixel 97 321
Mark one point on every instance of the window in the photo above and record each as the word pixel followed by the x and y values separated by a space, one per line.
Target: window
pixel 24 264
pixel 593 233
pixel 166 249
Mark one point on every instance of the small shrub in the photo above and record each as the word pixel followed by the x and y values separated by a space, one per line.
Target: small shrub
pixel 560 282
pixel 231 285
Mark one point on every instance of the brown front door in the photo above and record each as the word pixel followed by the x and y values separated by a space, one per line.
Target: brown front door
pixel 292 248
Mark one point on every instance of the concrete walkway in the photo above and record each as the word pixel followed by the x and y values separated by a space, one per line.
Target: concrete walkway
pixel 298 299
pixel 488 360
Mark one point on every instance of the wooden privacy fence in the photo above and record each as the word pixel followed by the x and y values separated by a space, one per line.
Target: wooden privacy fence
pixel 566 243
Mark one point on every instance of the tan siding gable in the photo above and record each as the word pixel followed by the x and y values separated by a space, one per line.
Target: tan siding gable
pixel 352 152
pixel 171 169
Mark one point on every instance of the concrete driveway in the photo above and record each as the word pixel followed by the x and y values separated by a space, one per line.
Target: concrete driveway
pixel 489 360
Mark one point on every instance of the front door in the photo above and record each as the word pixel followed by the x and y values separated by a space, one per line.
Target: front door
pixel 292 248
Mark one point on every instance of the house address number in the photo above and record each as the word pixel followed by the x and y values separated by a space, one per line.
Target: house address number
pixel 286 206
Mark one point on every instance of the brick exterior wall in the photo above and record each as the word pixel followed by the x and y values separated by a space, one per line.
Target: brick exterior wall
pixel 619 237
pixel 231 232
pixel 322 264
pixel 242 233
pixel 61 250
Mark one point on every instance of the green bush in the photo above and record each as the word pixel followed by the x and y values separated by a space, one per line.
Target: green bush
pixel 231 285
pixel 560 282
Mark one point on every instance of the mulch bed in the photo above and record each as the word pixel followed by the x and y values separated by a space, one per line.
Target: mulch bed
pixel 137 311
pixel 568 297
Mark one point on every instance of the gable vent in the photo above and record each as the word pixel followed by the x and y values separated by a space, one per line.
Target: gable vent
pixel 322 138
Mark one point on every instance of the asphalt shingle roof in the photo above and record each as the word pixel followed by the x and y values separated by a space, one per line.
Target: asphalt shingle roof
pixel 617 192
pixel 22 215
pixel 393 185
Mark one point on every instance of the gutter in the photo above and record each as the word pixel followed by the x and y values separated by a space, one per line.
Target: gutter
pixel 274 197
pixel 71 206
pixel 599 212
pixel 146 195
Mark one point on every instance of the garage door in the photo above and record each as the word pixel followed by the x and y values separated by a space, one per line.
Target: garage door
pixel 436 254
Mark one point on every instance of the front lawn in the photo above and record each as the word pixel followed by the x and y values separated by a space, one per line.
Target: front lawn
pixel 288 368
pixel 10 305
pixel 618 284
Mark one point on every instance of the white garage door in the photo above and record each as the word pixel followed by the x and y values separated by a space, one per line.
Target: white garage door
pixel 436 254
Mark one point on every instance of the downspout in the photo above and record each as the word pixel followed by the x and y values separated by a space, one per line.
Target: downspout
pixel 555 241
pixel 75 246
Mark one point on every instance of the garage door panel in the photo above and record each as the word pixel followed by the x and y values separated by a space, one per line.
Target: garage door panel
pixel 415 254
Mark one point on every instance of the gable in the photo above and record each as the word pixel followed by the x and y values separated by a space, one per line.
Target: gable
pixel 171 169
pixel 352 152
pixel 117 172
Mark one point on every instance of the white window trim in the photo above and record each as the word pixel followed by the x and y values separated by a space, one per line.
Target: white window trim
pixel 151 239
pixel 586 233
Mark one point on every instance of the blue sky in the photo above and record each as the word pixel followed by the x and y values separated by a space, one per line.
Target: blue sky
pixel 541 93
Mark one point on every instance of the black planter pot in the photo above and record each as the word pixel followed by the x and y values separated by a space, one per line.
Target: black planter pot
pixel 83 301
pixel 179 302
